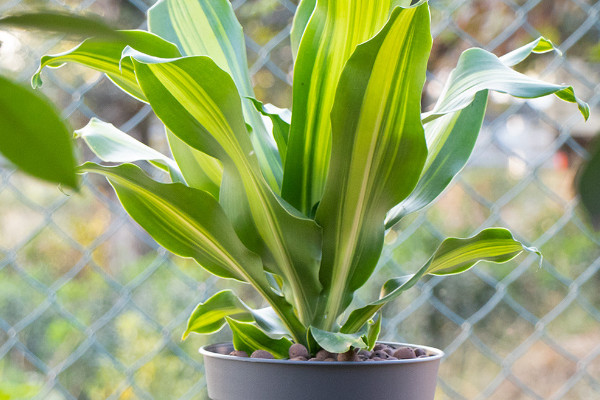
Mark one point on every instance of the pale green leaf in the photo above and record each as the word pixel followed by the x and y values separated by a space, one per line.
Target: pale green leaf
pixel 336 342
pixel 378 152
pixel 278 122
pixel 33 136
pixel 479 70
pixel 373 333
pixel 104 55
pixel 539 46
pixel 249 338
pixel 113 145
pixel 301 18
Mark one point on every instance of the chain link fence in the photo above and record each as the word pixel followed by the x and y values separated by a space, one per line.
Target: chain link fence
pixel 92 308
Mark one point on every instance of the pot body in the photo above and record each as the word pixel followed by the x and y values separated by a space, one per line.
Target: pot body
pixel 237 378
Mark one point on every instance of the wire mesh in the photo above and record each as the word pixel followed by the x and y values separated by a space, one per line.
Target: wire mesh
pixel 92 308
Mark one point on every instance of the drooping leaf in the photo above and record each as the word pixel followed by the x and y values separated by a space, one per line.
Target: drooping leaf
pixel 61 22
pixel 33 136
pixel 301 18
pixel 104 55
pixel 588 186
pixel 279 119
pixel 249 338
pixel 479 70
pixel 336 342
pixel 378 152
pixel 210 28
pixel 191 223
pixel 453 256
pixel 450 141
pixel 539 46
pixel 209 317
pixel 333 32
pixel 113 145
pixel 199 103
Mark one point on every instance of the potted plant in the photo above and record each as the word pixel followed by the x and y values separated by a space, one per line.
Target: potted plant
pixel 295 206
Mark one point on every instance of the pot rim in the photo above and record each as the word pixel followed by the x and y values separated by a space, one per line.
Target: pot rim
pixel 437 354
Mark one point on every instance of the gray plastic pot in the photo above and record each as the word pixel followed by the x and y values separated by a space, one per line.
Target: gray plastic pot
pixel 237 378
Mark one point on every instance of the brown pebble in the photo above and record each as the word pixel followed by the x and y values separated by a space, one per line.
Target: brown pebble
pixel 298 350
pixel 330 359
pixel 299 359
pixel 392 358
pixel 262 354
pixel 377 359
pixel 238 353
pixel 379 346
pixel 380 354
pixel 420 352
pixel 404 353
pixel 389 350
pixel 323 354
pixel 423 356
pixel 364 353
pixel 314 359
pixel 350 355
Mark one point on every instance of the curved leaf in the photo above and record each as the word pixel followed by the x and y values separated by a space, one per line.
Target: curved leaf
pixel 34 137
pixel 539 46
pixel 336 342
pixel 199 103
pixel 280 120
pixel 209 317
pixel 249 338
pixel 378 152
pixel 453 256
pixel 113 145
pixel 210 28
pixel 450 141
pixel 104 55
pixel 333 32
pixel 479 70
pixel 191 223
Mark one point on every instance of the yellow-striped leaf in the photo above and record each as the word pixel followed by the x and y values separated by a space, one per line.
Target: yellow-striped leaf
pixel 104 55
pixel 249 338
pixel 333 32
pixel 210 28
pixel 378 152
pixel 199 103
pixel 191 223
pixel 453 256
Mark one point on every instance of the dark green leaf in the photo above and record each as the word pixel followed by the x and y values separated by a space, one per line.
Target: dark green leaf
pixel 336 342
pixel 249 338
pixel 588 185
pixel 33 136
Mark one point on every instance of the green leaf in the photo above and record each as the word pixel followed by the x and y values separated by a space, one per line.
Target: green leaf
pixel 209 317
pixel 113 145
pixel 539 46
pixel 199 170
pixel 453 256
pixel 191 223
pixel 333 32
pixel 249 338
pixel 280 120
pixel 210 28
pixel 479 70
pixel 450 141
pixel 373 333
pixel 199 103
pixel 61 22
pixel 336 342
pixel 378 152
pixel 301 18
pixel 104 55
pixel 588 185
pixel 33 135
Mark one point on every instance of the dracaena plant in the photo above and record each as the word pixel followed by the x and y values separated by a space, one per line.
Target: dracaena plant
pixel 297 206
